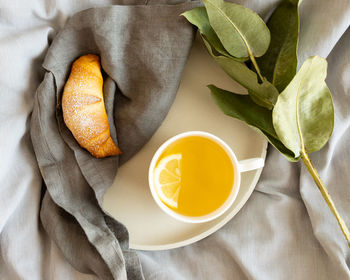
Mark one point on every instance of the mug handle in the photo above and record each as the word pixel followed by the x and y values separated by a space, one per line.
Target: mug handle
pixel 250 164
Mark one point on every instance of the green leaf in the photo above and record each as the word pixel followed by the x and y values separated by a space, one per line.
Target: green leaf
pixel 279 64
pixel 264 94
pixel 303 116
pixel 199 18
pixel 243 108
pixel 241 31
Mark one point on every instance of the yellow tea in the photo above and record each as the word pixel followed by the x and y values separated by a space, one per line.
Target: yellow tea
pixel 194 176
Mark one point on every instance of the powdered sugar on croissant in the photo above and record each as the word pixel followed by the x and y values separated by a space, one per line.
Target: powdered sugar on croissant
pixel 83 107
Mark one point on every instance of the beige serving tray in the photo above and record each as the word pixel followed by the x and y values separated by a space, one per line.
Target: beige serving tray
pixel 129 199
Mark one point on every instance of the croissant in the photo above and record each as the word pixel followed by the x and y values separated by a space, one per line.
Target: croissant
pixel 83 108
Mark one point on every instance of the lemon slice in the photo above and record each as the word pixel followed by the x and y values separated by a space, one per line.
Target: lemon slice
pixel 167 179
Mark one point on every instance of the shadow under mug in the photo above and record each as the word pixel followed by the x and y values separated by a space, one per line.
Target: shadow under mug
pixel 238 167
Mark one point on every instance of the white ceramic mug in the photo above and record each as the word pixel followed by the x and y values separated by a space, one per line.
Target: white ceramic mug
pixel 238 166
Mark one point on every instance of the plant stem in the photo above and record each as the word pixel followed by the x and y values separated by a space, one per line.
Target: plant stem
pixel 252 58
pixel 325 194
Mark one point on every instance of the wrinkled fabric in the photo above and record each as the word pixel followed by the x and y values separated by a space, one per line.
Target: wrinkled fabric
pixel 143 50
pixel 285 230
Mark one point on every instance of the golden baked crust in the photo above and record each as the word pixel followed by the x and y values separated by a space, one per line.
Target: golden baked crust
pixel 83 107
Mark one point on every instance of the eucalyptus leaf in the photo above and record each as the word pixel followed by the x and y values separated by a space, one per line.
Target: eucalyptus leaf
pixel 279 64
pixel 264 94
pixel 199 18
pixel 241 31
pixel 303 116
pixel 243 108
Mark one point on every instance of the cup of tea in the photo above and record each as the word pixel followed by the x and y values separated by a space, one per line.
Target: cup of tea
pixel 195 176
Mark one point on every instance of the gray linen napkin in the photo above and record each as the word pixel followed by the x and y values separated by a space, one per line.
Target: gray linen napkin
pixel 143 49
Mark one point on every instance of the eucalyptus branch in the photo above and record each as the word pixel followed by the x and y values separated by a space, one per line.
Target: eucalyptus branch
pixel 293 110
